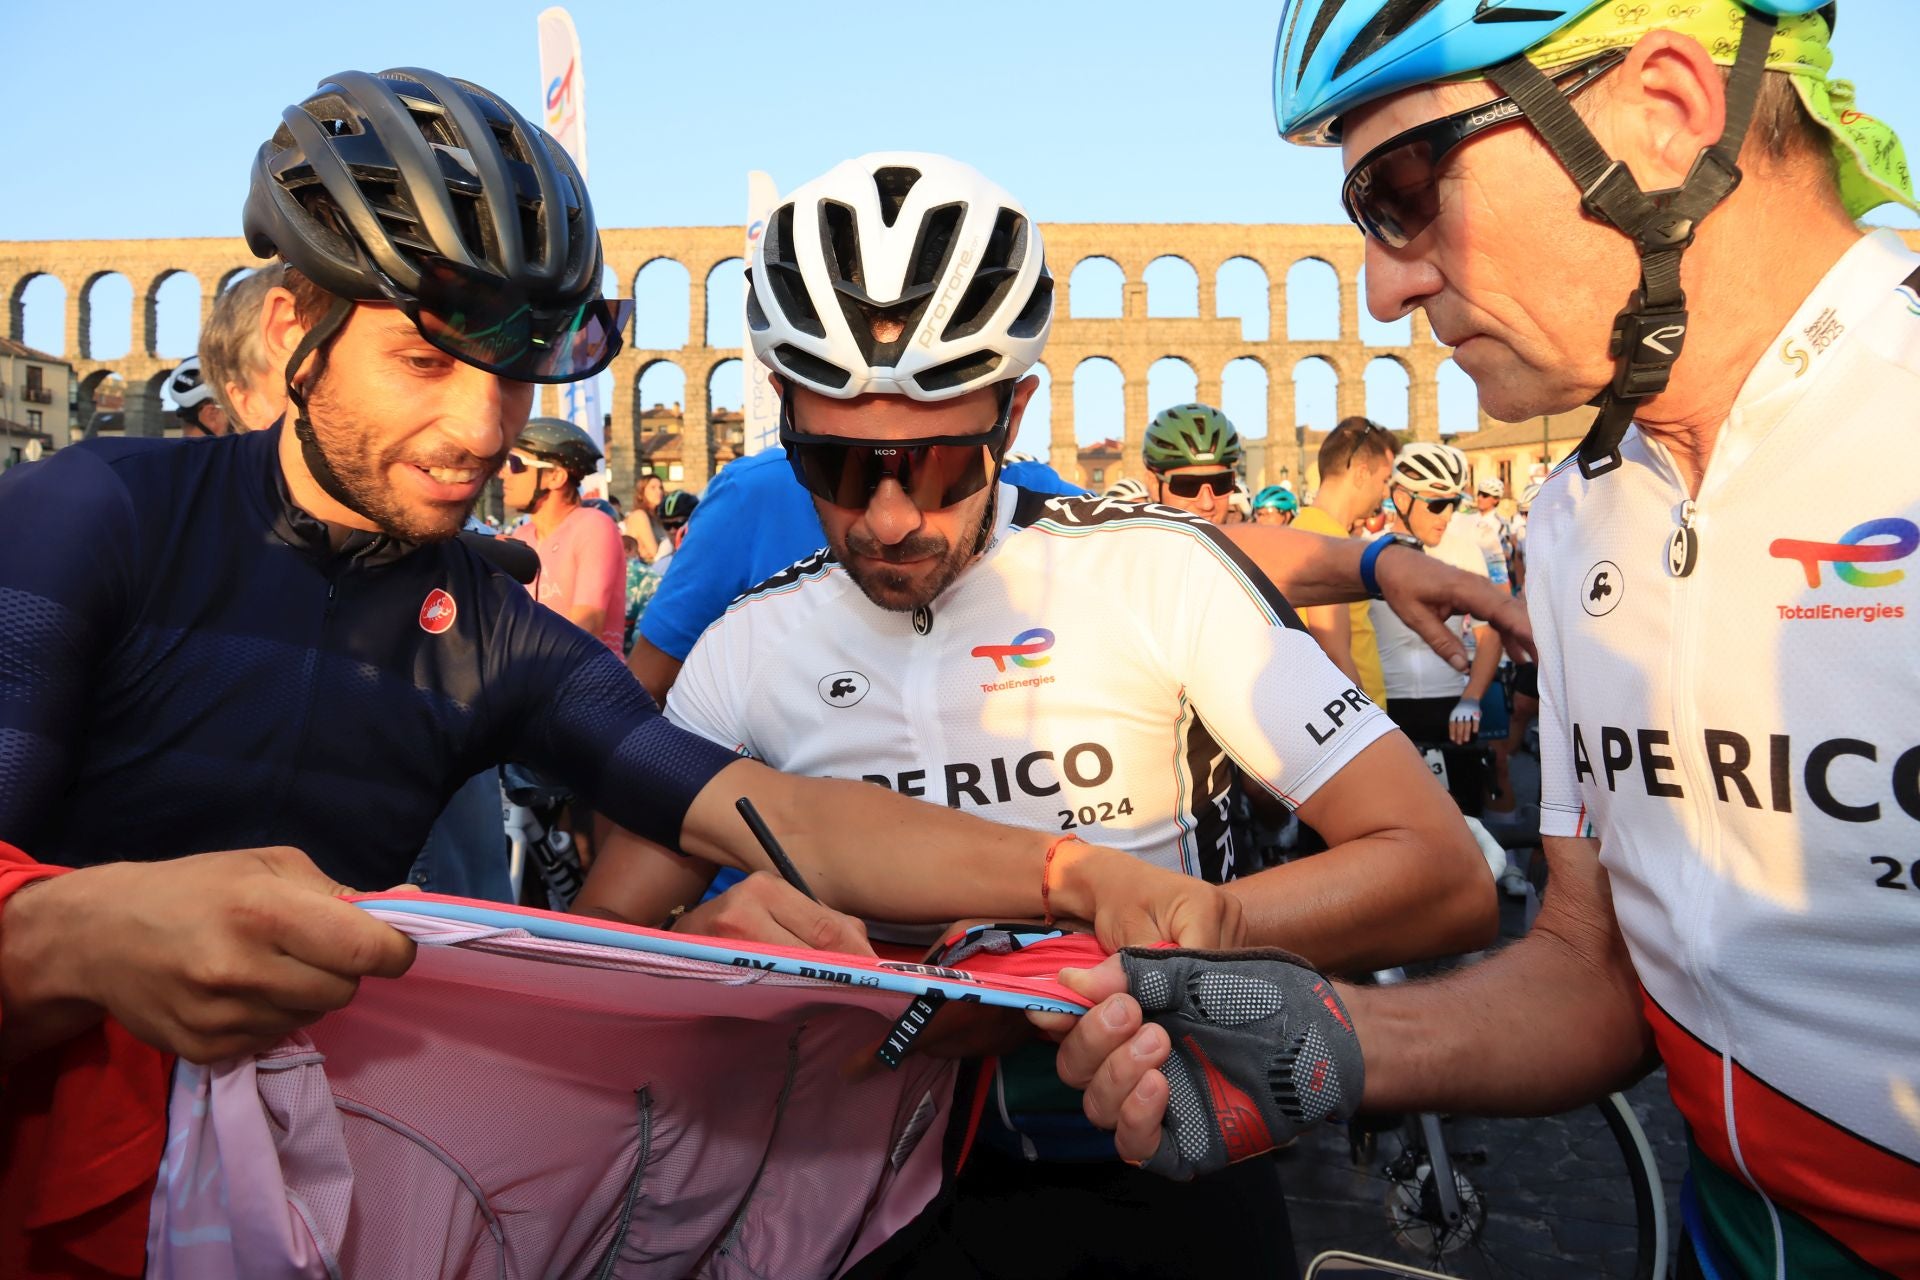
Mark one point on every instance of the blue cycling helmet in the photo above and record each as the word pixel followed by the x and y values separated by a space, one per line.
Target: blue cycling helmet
pixel 1278 497
pixel 1335 55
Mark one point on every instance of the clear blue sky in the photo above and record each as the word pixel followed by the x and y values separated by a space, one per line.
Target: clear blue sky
pixel 1114 112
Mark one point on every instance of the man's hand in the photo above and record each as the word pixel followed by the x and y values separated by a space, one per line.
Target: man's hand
pixel 1134 903
pixel 765 908
pixel 1425 593
pixel 1254 1048
pixel 207 957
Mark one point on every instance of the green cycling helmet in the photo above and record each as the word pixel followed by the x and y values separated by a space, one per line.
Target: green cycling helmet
pixel 1191 435
pixel 1278 497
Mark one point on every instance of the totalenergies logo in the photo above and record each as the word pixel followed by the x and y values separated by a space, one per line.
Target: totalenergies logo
pixel 560 99
pixel 1853 549
pixel 1023 652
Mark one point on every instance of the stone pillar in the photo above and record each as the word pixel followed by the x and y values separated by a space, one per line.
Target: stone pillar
pixel 1423 403
pixel 696 432
pixel 146 317
pixel 1133 426
pixel 1207 387
pixel 621 443
pixel 1209 299
pixel 1276 310
pixel 1063 452
pixel 1281 451
pixel 79 320
pixel 697 310
pixel 1349 307
pixel 1351 397
pixel 1133 295
pixel 11 289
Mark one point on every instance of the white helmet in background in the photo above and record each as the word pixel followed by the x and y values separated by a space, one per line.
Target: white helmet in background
pixel 901 273
pixel 1492 487
pixel 188 389
pixel 1127 489
pixel 1431 470
pixel 1527 495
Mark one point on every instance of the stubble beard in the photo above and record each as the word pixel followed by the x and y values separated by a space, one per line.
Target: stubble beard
pixel 347 444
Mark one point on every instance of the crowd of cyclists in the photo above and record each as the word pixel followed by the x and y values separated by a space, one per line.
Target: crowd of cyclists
pixel 1251 740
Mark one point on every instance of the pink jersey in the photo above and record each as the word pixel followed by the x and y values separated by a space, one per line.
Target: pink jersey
pixel 582 563
pixel 543 1095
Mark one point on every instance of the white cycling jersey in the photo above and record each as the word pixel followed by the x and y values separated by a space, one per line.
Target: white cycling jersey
pixel 1103 669
pixel 1745 742
pixel 1408 664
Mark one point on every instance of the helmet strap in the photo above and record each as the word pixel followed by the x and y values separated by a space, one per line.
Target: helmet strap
pixel 317 343
pixel 1651 330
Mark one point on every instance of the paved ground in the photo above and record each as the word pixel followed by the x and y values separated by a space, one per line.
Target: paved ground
pixel 1551 1196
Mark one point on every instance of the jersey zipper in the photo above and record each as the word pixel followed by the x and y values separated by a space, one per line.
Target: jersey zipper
pixel 1702 954
pixel 316 655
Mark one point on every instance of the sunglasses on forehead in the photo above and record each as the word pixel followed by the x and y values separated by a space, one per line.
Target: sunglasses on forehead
pixel 934 471
pixel 1390 194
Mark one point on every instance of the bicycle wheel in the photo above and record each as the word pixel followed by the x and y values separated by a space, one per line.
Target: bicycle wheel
pixel 1574 1196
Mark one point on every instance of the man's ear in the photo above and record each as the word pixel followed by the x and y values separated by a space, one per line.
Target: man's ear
pixel 1663 107
pixel 281 331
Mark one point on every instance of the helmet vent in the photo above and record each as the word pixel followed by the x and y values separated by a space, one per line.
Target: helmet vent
pixel 756 314
pixel 933 248
pixel 1322 19
pixel 893 184
pixel 783 276
pixel 1033 317
pixel 993 278
pixel 1393 18
pixel 840 242
pixel 810 367
pixel 955 372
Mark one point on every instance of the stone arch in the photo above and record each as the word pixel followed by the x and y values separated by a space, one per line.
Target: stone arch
pixel 37 313
pixel 727 303
pixel 231 278
pixel 1459 400
pixel 1244 293
pixel 1096 290
pixel 173 315
pixel 1099 400
pixel 1389 388
pixel 661 383
pixel 1173 288
pixel 662 300
pixel 1376 333
pixel 154 415
pixel 105 321
pixel 1316 394
pixel 1313 301
pixel 1243 396
pixel 102 396
pixel 1171 380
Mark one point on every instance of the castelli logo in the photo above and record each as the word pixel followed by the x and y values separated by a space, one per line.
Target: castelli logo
pixel 436 612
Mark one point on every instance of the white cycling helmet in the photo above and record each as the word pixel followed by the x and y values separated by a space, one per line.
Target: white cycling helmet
pixel 1491 487
pixel 1527 495
pixel 1431 470
pixel 188 389
pixel 921 241
pixel 1127 489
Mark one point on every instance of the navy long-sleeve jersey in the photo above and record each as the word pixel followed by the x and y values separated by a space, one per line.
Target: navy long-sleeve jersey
pixel 186 665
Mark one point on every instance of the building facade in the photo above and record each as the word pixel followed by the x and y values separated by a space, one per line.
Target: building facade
pixel 36 402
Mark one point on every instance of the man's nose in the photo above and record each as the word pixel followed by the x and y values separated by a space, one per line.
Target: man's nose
pixel 1398 281
pixel 476 417
pixel 891 514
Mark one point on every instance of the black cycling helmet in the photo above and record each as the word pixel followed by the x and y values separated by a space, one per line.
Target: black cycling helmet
pixel 437 196
pixel 562 443
pixel 677 508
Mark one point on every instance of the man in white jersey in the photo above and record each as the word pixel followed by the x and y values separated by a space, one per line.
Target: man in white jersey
pixel 985 648
pixel 1729 679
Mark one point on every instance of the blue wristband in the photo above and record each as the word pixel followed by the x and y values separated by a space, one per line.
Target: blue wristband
pixel 1369 578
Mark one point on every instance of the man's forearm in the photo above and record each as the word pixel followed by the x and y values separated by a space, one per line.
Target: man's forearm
pixel 38 1008
pixel 1486 663
pixel 1309 568
pixel 870 852
pixel 1549 1023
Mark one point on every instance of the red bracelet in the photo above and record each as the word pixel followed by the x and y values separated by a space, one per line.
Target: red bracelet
pixel 1046 877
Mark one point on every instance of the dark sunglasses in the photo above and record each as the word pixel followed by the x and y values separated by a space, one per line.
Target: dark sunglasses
pixel 1441 506
pixel 488 323
pixel 1390 194
pixel 1190 484
pixel 935 471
